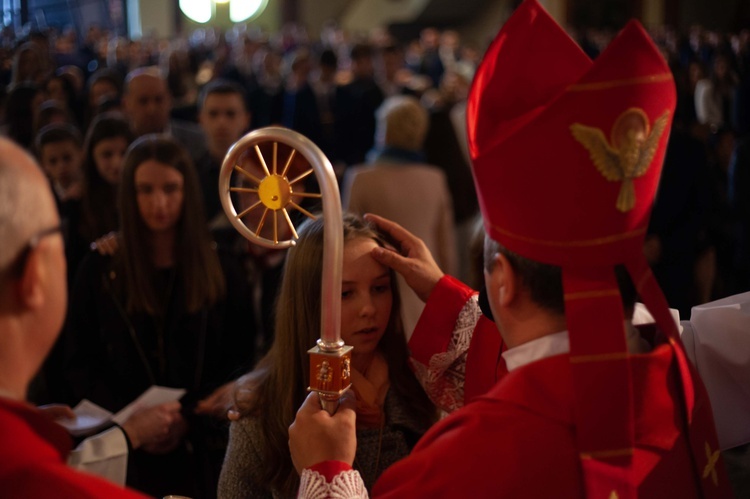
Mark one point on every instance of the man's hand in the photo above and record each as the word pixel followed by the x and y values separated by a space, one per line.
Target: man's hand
pixel 220 403
pixel 413 260
pixel 57 411
pixel 316 436
pixel 155 428
pixel 107 245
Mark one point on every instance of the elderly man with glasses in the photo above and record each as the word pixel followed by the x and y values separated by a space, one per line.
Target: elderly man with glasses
pixel 33 298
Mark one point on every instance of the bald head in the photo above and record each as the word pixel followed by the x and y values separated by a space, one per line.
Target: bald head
pixel 146 101
pixel 33 289
pixel 26 202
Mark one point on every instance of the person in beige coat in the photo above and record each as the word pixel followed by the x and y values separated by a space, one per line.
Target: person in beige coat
pixel 398 185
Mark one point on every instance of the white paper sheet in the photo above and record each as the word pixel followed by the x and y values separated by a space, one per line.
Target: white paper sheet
pixel 153 396
pixel 89 417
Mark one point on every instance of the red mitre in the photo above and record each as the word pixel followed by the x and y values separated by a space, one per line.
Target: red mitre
pixel 567 155
pixel 567 136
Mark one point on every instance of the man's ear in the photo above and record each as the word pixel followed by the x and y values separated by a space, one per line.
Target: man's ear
pixel 504 279
pixel 29 286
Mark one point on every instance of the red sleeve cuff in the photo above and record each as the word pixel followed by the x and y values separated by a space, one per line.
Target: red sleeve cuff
pixel 329 469
pixel 435 326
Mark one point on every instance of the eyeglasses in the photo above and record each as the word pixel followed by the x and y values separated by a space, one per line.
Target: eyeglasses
pixel 15 269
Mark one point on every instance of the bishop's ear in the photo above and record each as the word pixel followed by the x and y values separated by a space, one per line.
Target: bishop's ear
pixel 501 281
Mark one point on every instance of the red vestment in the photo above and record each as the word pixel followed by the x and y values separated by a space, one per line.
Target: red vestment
pixel 518 440
pixel 464 370
pixel 32 459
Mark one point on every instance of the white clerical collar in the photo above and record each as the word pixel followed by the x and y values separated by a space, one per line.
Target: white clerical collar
pixel 557 344
pixel 540 348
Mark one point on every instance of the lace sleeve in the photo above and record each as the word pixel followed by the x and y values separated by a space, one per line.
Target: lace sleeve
pixel 345 485
pixel 443 378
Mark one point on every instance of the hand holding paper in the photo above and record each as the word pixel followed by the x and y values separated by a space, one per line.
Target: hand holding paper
pixel 153 396
pixel 152 426
pixel 88 418
pixel 155 407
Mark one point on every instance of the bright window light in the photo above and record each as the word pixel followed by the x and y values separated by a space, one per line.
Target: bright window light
pixel 197 10
pixel 241 10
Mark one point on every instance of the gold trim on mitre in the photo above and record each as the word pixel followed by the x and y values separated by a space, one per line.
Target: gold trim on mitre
pixel 603 85
pixel 583 243
pixel 628 154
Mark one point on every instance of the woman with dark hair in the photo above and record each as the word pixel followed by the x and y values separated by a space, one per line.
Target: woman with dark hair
pixel 28 65
pixel 166 310
pixel 392 410
pixel 61 90
pixel 21 106
pixel 102 85
pixel 95 213
pixel 107 140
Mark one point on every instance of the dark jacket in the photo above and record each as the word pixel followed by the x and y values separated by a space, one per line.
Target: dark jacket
pixel 112 356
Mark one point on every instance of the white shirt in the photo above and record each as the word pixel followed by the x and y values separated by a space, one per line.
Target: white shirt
pixel 104 454
pixel 559 343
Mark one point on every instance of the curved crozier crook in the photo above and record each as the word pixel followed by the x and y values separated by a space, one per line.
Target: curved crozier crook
pixel 273 182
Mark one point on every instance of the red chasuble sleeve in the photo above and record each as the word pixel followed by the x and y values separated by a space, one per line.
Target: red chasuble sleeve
pixel 436 324
pixel 455 349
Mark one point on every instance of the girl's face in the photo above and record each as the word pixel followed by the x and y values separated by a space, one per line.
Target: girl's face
pixel 159 193
pixel 62 162
pixel 366 300
pixel 56 91
pixel 108 155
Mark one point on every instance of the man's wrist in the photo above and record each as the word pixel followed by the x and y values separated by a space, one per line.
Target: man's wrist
pixel 130 436
pixel 331 479
pixel 329 469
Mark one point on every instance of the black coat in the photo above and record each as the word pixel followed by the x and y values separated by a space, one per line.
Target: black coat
pixel 112 356
pixel 355 107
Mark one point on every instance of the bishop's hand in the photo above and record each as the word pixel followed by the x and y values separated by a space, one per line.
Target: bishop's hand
pixel 315 436
pixel 412 259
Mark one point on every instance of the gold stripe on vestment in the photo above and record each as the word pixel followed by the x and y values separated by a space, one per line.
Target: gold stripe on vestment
pixel 599 357
pixel 585 295
pixel 627 451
